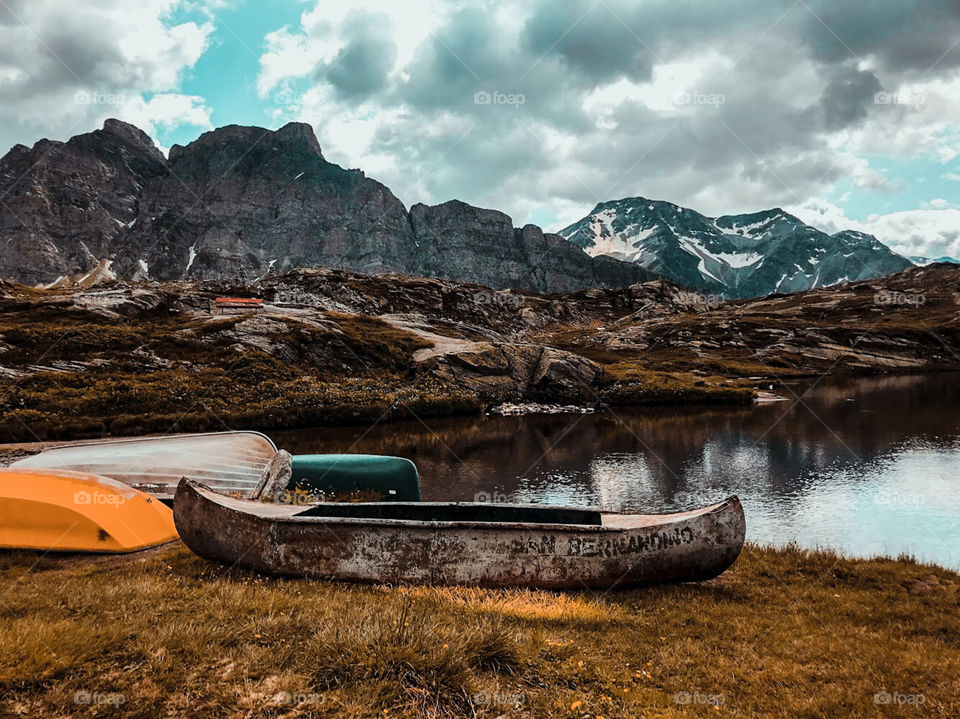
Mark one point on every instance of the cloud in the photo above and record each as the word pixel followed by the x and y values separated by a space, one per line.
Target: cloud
pixel 362 65
pixel 848 96
pixel 915 233
pixel 723 107
pixel 64 67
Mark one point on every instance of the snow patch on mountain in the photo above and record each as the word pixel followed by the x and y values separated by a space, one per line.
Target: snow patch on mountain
pixel 736 255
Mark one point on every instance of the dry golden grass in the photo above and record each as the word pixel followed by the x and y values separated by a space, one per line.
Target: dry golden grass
pixel 631 383
pixel 785 633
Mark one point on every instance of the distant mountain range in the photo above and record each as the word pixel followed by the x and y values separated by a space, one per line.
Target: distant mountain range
pixel 734 255
pixel 240 203
pixel 924 261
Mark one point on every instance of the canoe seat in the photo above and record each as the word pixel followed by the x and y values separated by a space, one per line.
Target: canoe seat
pixel 472 512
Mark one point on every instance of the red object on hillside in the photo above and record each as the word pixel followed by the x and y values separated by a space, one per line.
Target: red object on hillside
pixel 243 303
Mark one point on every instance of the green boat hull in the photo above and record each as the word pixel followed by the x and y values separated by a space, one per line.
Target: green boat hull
pixel 395 478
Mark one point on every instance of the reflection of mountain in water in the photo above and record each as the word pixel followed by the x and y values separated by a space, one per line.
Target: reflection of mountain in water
pixel 665 456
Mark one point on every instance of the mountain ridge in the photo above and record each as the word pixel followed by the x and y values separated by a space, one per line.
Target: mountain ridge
pixel 242 202
pixel 741 255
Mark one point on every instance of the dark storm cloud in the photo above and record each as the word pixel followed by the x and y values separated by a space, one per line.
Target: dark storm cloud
pixel 362 66
pixel 590 39
pixel 904 35
pixel 457 61
pixel 848 96
pixel 469 54
pixel 83 53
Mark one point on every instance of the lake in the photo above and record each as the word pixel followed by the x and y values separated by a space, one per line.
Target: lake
pixel 862 466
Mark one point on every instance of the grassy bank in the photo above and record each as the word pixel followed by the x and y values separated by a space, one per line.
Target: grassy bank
pixel 784 633
pixel 163 375
pixel 81 375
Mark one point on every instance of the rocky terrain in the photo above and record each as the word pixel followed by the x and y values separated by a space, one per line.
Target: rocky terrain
pixel 242 203
pixel 337 347
pixel 734 255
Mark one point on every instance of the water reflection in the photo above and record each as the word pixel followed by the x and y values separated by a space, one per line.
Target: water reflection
pixel 865 466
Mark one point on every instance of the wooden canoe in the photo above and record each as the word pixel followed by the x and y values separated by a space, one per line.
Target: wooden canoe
pixel 493 545
pixel 63 511
pixel 228 462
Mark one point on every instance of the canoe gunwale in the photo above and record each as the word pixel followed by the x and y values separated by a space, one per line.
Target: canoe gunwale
pixel 622 519
pixel 663 520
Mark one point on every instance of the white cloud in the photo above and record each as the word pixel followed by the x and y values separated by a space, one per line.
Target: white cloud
pixel 294 53
pixel 913 233
pixel 66 66
pixel 166 111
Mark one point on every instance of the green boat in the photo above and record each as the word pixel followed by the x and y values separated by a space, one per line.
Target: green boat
pixel 396 479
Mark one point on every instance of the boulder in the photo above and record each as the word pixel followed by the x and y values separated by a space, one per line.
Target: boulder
pixel 512 371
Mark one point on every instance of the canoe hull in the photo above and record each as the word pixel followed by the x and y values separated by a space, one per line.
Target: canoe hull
pixel 627 550
pixel 63 511
pixel 395 478
pixel 229 462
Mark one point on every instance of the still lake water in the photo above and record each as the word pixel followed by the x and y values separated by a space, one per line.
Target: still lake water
pixel 866 467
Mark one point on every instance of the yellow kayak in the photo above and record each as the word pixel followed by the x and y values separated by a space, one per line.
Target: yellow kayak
pixel 64 511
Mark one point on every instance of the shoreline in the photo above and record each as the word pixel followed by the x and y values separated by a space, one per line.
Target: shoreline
pixel 128 360
pixel 458 406
pixel 383 412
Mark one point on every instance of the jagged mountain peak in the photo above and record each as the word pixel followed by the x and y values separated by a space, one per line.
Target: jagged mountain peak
pixel 128 133
pixel 738 255
pixel 239 203
pixel 296 136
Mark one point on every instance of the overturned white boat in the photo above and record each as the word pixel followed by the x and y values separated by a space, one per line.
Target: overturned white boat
pixel 227 462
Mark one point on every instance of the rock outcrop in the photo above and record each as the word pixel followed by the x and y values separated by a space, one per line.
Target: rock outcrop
pixel 66 203
pixel 503 371
pixel 244 203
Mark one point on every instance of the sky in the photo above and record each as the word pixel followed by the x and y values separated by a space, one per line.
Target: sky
pixel 846 114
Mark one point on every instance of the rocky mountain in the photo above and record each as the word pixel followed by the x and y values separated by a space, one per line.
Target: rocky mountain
pixel 735 255
pixel 244 202
pixel 64 203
